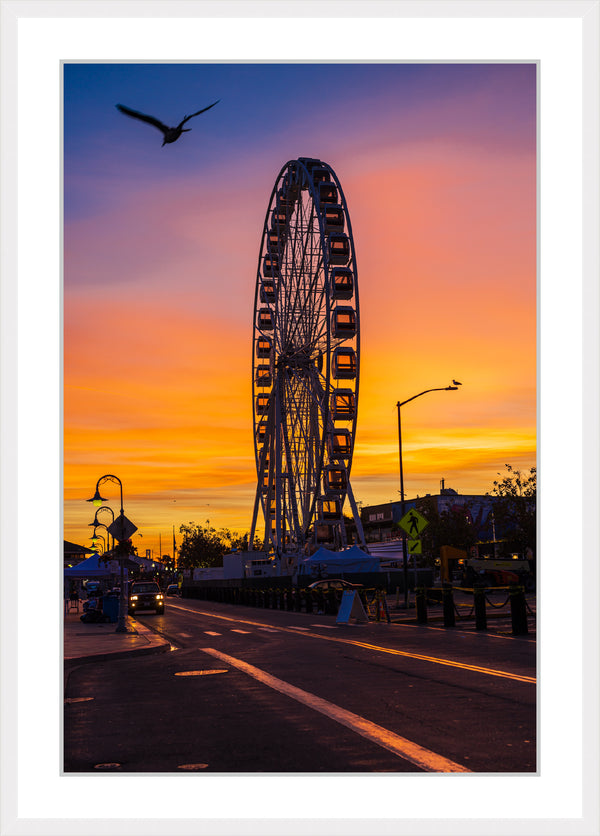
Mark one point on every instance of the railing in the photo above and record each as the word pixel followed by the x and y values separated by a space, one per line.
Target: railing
pixel 515 600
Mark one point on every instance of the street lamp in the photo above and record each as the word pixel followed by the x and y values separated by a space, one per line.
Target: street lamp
pixel 455 386
pixel 96 526
pixel 96 523
pixel 95 538
pixel 97 500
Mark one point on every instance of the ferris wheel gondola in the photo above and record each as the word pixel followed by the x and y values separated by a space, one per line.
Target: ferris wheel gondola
pixel 305 361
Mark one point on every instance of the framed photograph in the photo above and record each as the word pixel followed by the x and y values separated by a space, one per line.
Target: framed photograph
pixel 146 152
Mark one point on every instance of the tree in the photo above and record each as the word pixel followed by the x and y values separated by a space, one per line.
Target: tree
pixel 204 546
pixel 515 506
pixel 453 527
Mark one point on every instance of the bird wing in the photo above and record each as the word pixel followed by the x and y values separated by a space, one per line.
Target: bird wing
pixel 197 113
pixel 143 116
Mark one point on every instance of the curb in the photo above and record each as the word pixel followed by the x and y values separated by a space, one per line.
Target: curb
pixel 157 645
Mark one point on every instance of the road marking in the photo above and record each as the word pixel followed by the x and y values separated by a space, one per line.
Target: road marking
pixel 193 766
pixel 448 662
pixel 185 635
pixel 402 747
pixel 211 633
pixel 199 673
pixel 268 630
pixel 433 659
pixel 246 632
pixel 325 626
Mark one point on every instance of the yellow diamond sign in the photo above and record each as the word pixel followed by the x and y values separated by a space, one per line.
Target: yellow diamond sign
pixel 413 523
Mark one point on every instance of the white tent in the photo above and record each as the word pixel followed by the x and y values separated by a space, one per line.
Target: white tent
pixel 330 563
pixel 90 568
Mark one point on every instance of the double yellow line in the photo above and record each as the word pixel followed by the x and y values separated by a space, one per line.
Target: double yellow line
pixel 436 660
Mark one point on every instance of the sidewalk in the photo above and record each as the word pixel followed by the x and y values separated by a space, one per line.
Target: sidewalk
pixel 99 642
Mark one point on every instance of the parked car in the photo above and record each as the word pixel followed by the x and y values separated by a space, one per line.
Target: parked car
pixel 334 583
pixel 173 589
pixel 146 595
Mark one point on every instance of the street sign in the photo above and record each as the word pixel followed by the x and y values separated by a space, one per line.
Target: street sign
pixel 350 607
pixel 122 528
pixel 413 523
pixel 414 546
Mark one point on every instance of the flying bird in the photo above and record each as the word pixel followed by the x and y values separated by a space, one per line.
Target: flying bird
pixel 456 383
pixel 169 134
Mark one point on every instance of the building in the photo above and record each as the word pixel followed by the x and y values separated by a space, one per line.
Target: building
pixel 74 554
pixel 381 522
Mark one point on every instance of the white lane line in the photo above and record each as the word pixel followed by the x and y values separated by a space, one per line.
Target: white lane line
pixel 185 635
pixel 412 752
pixel 211 633
pixel 267 630
pixel 301 628
pixel 246 632
pixel 325 626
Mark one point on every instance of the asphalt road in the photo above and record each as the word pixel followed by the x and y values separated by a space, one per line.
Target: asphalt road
pixel 249 690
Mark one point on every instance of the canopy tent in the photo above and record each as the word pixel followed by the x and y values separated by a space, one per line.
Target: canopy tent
pixel 90 568
pixel 331 563
pixel 387 551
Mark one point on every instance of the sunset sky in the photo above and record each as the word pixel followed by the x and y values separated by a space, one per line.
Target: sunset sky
pixel 438 166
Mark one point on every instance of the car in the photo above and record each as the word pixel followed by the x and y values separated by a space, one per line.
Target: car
pixel 146 595
pixel 334 583
pixel 173 589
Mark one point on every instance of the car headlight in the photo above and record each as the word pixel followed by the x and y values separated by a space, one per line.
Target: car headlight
pixel 134 597
pixel 159 597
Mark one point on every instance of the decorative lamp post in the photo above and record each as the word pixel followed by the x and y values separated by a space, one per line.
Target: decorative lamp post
pixel 96 526
pixel 97 500
pixel 455 386
pixel 95 538
pixel 96 523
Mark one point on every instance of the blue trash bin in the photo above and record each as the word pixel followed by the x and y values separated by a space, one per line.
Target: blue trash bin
pixel 110 607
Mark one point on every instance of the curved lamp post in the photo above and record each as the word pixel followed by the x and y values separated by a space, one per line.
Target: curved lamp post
pixel 97 500
pixel 96 522
pixel 455 386
pixel 94 538
pixel 98 525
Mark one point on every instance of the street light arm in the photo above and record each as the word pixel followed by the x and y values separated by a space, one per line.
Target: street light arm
pixel 103 508
pixel 107 478
pixel 438 389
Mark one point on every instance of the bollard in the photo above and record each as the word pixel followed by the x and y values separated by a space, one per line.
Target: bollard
pixel 309 600
pixel 518 610
pixel 421 604
pixel 448 603
pixel 479 607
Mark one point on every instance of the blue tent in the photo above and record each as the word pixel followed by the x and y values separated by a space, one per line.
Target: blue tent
pixel 332 564
pixel 90 568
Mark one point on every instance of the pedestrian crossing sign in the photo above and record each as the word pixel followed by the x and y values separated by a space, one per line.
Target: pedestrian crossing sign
pixel 415 546
pixel 413 523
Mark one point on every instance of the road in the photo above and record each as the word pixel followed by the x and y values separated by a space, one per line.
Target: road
pixel 249 690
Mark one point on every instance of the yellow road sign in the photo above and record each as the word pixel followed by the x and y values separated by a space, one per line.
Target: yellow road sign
pixel 413 523
pixel 414 546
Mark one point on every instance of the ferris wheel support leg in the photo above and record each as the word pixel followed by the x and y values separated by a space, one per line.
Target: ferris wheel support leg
pixel 356 516
pixel 253 526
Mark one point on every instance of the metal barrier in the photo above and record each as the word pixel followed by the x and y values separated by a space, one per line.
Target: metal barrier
pixel 519 606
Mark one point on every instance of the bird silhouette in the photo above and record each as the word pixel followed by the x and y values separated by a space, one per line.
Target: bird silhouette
pixel 456 383
pixel 169 134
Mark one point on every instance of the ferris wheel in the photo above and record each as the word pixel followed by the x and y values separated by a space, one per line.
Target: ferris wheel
pixel 305 361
